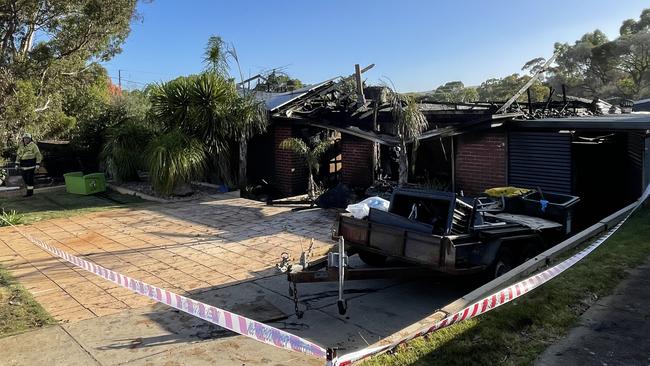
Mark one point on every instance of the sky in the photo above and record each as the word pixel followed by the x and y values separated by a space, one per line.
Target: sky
pixel 415 44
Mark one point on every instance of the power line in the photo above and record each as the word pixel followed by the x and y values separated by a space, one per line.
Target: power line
pixel 130 81
pixel 141 71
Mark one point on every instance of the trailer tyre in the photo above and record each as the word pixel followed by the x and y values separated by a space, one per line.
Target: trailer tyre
pixel 503 263
pixel 372 259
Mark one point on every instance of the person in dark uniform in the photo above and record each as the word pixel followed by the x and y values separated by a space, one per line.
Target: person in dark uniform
pixel 28 160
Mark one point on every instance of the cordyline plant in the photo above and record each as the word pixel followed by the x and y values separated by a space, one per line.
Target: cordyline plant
pixel 410 123
pixel 311 156
pixel 174 159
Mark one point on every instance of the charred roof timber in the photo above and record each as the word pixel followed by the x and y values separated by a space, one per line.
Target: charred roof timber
pixel 344 105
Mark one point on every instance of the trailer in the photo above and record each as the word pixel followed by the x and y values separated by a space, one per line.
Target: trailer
pixel 428 233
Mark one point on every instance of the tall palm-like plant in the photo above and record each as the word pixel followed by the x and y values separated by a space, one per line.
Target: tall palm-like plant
pixel 410 123
pixel 208 109
pixel 247 115
pixel 216 55
pixel 198 106
pixel 311 156
pixel 174 160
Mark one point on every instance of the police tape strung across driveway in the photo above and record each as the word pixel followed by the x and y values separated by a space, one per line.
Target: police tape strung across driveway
pixel 281 339
pixel 231 321
pixel 488 303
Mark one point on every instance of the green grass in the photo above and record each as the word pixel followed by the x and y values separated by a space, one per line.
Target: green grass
pixel 516 333
pixel 58 203
pixel 18 310
pixel 10 217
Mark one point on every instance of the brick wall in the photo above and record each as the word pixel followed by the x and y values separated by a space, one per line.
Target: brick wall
pixel 481 160
pixel 357 155
pixel 290 170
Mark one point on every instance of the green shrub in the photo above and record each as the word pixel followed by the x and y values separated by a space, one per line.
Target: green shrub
pixel 123 151
pixel 174 159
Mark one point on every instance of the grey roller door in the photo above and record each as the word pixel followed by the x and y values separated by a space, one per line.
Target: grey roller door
pixel 540 159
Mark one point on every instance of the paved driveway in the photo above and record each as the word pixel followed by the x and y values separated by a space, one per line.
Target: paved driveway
pixel 185 247
pixel 221 252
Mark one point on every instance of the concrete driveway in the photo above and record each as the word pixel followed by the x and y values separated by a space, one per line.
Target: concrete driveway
pixel 221 252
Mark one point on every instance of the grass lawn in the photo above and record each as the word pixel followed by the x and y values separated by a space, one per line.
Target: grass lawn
pixel 18 310
pixel 516 333
pixel 58 203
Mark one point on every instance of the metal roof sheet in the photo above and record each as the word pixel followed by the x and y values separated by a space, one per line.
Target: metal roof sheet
pixel 633 121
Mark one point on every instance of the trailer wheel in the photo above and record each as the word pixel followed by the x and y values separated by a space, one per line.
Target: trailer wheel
pixel 372 259
pixel 503 263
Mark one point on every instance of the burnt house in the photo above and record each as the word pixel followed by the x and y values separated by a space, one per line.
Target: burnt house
pixel 364 135
pixel 566 145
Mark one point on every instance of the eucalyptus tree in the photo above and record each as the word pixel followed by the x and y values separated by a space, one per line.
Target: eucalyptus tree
pixel 49 78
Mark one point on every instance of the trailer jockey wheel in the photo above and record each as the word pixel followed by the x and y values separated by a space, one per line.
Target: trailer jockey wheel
pixel 343 306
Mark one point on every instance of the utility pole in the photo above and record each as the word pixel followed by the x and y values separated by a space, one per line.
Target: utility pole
pixel 119 78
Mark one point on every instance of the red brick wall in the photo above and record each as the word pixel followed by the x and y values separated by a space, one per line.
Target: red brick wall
pixel 481 160
pixel 290 170
pixel 357 155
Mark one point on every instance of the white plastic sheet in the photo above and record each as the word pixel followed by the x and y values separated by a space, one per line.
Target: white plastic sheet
pixel 362 209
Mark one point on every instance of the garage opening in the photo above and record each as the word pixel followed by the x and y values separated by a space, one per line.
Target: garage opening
pixel 603 168
pixel 604 177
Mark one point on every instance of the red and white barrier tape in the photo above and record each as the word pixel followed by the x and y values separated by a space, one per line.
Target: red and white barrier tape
pixel 490 302
pixel 281 339
pixel 225 319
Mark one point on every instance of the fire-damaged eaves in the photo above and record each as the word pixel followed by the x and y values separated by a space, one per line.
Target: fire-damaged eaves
pixel 342 104
pixel 335 106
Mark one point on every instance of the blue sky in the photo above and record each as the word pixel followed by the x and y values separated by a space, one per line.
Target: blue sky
pixel 415 43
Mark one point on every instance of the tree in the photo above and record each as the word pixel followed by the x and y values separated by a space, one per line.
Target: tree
pixel 247 115
pixel 410 123
pixel 631 26
pixel 596 66
pixel 311 156
pixel 278 83
pixel 454 91
pixel 197 106
pixel 208 108
pixel 75 28
pixel 631 55
pixel 50 82
pixel 122 153
pixel 501 89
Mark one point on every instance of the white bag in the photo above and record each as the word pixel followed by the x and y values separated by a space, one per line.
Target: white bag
pixel 362 209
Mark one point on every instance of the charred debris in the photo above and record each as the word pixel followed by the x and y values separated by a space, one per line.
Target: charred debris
pixel 347 106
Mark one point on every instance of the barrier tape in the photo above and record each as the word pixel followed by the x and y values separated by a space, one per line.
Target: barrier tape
pixel 281 339
pixel 492 301
pixel 225 319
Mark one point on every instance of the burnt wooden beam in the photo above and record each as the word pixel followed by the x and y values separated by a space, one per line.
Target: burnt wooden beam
pixel 530 82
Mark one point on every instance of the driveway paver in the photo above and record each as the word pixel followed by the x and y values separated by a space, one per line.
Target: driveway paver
pixel 219 252
pixel 186 247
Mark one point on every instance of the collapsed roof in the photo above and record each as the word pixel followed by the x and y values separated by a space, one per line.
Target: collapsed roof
pixel 341 104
